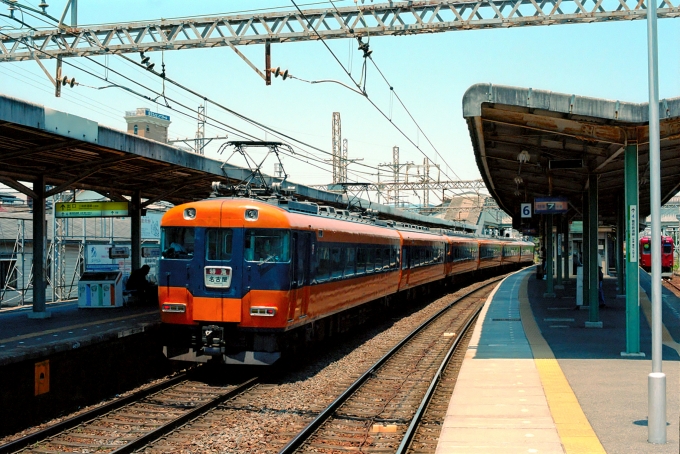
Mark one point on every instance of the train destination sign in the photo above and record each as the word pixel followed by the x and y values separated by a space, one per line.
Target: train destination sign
pixel 92 209
pixel 550 205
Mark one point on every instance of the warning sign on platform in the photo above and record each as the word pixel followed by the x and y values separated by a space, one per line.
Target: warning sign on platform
pixel 92 209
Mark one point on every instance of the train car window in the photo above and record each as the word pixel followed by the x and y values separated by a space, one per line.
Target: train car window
pixel 386 259
pixel 404 258
pixel 219 244
pixel 378 259
pixel 395 257
pixel 323 264
pixel 337 267
pixel 646 249
pixel 370 259
pixel 267 245
pixel 350 261
pixel 361 259
pixel 178 242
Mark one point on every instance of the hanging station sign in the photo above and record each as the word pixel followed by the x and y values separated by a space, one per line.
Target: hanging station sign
pixel 92 209
pixel 550 205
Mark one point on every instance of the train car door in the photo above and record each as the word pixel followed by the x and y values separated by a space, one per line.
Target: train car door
pixel 405 266
pixel 301 248
pixel 222 272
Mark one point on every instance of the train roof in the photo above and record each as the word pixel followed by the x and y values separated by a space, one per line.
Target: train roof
pixel 277 209
pixel 663 238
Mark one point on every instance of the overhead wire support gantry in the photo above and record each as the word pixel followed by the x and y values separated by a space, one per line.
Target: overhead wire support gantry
pixel 394 18
pixel 469 185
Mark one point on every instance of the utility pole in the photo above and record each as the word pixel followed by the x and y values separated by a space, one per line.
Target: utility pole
pixel 337 152
pixel 395 167
pixel 340 146
pixel 424 179
pixel 344 162
pixel 199 142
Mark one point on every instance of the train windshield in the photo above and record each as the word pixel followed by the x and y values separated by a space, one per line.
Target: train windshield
pixel 267 245
pixel 646 247
pixel 219 244
pixel 667 248
pixel 178 242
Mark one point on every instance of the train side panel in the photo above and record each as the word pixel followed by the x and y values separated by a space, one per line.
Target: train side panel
pixel 490 253
pixel 464 256
pixel 422 258
pixel 235 274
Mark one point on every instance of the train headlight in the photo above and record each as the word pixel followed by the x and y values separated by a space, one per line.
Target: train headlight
pixel 190 213
pixel 251 214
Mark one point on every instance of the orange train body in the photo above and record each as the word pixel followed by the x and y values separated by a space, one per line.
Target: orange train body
pixel 239 278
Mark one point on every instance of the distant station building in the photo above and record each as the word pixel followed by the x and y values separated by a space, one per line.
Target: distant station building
pixel 145 123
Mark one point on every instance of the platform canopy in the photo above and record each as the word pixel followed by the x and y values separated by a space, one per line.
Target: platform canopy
pixel 534 143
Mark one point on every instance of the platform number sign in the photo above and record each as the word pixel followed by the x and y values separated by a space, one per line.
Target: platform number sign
pixel 525 210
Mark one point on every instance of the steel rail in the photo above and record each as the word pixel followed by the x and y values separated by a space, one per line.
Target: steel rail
pixel 172 425
pixel 306 433
pixel 70 423
pixel 412 428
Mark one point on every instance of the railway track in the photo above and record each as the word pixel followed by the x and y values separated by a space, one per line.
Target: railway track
pixel 669 281
pixel 390 407
pixel 130 423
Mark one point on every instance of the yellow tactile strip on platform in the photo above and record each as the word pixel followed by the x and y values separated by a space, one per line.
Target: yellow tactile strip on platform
pixel 575 432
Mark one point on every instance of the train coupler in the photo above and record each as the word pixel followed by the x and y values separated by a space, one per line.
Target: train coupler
pixel 212 338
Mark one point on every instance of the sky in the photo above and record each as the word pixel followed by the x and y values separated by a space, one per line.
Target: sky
pixel 429 73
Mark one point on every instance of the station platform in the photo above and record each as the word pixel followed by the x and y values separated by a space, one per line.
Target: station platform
pixel 536 380
pixel 67 329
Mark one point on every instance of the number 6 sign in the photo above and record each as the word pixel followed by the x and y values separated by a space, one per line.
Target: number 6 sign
pixel 526 210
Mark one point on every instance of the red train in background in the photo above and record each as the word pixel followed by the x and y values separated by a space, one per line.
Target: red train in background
pixel 667 254
pixel 243 279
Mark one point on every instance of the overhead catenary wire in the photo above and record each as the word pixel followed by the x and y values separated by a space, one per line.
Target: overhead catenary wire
pixel 240 116
pixel 323 41
pixel 244 135
pixel 393 93
pixel 237 132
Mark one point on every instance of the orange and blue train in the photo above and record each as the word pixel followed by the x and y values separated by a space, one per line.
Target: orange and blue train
pixel 241 280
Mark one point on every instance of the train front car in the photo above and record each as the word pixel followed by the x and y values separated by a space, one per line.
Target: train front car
pixel 243 280
pixel 225 264
pixel 667 254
